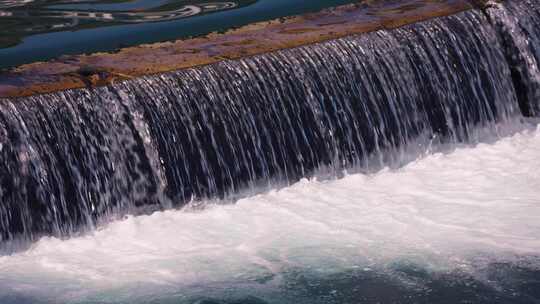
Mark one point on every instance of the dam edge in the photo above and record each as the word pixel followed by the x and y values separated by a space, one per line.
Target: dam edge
pixel 101 69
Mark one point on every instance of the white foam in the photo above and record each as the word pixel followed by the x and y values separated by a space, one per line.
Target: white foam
pixel 442 210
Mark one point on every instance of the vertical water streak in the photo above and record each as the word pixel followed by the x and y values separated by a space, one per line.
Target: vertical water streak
pixel 69 159
pixel 73 158
pixel 518 23
pixel 335 104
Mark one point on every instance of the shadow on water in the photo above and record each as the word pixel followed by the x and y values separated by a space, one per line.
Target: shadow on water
pixel 401 282
pixel 408 283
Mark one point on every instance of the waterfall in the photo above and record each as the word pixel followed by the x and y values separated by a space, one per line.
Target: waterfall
pixel 518 23
pixel 71 160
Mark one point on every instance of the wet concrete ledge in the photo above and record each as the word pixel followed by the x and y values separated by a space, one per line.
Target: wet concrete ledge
pixel 100 69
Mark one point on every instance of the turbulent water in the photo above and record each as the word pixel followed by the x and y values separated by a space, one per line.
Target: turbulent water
pixel 395 166
pixel 460 227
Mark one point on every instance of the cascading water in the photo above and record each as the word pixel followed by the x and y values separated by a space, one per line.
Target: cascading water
pixel 331 104
pixel 67 159
pixel 518 23
pixel 455 227
pixel 74 158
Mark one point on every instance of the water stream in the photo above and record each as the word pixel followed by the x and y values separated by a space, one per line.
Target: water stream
pixel 394 165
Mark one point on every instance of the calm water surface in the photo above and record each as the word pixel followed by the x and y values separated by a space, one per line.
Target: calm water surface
pixel 34 30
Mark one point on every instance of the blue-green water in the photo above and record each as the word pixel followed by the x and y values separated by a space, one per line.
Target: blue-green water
pixel 40 30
